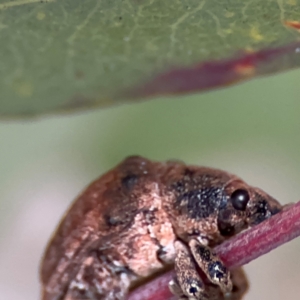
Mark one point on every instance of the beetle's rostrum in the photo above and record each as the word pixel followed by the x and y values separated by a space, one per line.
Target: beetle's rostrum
pixel 141 218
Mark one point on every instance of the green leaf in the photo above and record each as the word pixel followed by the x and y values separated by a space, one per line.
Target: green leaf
pixel 70 54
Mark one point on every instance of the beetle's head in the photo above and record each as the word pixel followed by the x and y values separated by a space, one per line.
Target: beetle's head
pixel 216 202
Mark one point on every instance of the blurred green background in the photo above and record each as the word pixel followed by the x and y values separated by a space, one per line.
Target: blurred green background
pixel 252 129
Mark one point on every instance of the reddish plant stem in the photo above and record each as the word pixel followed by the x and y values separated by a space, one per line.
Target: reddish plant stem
pixel 237 251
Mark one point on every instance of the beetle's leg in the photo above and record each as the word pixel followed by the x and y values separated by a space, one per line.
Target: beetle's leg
pixel 176 289
pixel 239 287
pixel 211 265
pixel 97 279
pixel 189 282
pixel 239 284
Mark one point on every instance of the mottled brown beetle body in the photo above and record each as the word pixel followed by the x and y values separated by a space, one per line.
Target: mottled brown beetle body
pixel 125 226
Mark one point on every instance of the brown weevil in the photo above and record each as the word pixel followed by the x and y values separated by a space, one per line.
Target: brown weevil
pixel 144 217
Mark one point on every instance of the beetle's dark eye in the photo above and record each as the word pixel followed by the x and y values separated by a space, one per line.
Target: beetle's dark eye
pixel 239 199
